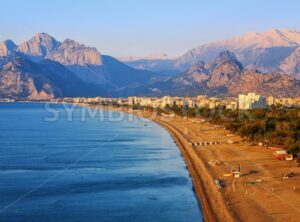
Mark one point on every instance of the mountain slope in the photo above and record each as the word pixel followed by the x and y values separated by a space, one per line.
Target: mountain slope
pixel 160 63
pixel 86 62
pixel 39 46
pixel 291 64
pixel 22 78
pixel 244 46
pixel 262 51
pixel 7 48
pixel 70 52
pixel 225 76
pixel 162 66
pixel 268 84
pixel 224 68
pixel 43 68
pixel 154 56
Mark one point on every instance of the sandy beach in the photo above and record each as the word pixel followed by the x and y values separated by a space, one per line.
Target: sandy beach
pixel 261 194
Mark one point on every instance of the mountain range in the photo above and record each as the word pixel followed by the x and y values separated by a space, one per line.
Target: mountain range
pixel 153 56
pixel 44 68
pixel 270 51
pixel 84 64
pixel 224 76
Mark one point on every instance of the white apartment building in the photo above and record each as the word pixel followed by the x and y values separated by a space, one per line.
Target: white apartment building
pixel 251 101
pixel 132 100
pixel 167 101
pixel 191 103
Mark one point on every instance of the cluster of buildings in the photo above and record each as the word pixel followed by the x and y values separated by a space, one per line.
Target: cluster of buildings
pixel 7 100
pixel 251 101
pixel 191 102
pixel 283 101
pixel 244 101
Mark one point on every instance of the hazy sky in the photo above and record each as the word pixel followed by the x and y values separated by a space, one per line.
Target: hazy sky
pixel 140 27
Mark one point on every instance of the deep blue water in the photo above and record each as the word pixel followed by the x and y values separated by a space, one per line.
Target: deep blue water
pixel 84 168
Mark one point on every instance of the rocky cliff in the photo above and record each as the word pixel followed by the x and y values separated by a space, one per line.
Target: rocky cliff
pixel 21 78
pixel 291 64
pixel 7 48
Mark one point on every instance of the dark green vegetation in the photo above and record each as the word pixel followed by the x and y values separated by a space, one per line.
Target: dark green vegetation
pixel 273 126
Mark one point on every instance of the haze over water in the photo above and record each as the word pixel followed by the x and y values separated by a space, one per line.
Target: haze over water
pixel 89 170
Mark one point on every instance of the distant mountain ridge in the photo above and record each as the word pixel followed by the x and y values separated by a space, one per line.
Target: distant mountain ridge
pixel 153 56
pixel 7 48
pixel 291 64
pixel 267 52
pixel 44 68
pixel 85 63
pixel 224 76
pixel 160 63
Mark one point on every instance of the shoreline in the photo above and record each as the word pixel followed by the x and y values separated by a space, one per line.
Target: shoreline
pixel 199 189
pixel 261 194
pixel 205 199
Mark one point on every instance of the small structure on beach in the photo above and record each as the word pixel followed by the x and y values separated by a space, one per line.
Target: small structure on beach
pixel 204 143
pixel 281 155
pixel 171 115
pixel 236 173
pixel 218 183
pixel 230 142
pixel 215 162
pixel 219 127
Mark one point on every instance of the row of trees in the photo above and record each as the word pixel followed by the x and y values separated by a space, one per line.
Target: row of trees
pixel 275 125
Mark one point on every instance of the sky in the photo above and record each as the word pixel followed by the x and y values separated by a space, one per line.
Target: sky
pixel 140 27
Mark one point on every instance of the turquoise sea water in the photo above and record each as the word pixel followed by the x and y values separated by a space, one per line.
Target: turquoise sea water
pixel 55 166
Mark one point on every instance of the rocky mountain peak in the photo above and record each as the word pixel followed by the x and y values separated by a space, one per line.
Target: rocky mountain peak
pixel 39 45
pixel 226 78
pixel 42 37
pixel 197 74
pixel 7 47
pixel 249 48
pixel 273 32
pixel 70 52
pixel 227 57
pixel 10 44
pixel 71 43
pixel 224 68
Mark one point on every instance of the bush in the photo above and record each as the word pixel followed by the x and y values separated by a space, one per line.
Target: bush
pixel 294 150
pixel 279 125
pixel 270 124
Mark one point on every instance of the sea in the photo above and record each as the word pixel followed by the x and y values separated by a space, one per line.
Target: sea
pixel 62 162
